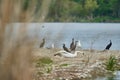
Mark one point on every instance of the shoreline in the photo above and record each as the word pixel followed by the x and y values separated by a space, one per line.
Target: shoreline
pixel 83 67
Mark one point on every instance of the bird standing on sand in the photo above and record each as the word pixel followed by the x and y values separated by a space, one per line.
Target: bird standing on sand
pixel 72 44
pixel 78 44
pixel 109 45
pixel 65 48
pixel 52 46
pixel 42 44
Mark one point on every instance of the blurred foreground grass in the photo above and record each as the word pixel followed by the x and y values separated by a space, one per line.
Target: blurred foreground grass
pixel 15 55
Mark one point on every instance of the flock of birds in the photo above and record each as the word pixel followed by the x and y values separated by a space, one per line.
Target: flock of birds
pixel 71 52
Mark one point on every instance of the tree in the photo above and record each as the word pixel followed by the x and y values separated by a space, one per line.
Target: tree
pixel 59 10
pixel 89 7
pixel 115 6
pixel 104 8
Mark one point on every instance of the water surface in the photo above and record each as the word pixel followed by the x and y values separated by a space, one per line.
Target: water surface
pixel 97 34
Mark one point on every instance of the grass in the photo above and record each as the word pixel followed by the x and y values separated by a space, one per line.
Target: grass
pixel 43 61
pixel 44 64
pixel 64 65
pixel 111 63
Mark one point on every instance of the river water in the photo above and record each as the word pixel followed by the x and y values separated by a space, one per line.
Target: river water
pixel 96 35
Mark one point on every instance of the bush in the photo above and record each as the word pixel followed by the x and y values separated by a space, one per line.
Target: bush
pixel 111 63
pixel 44 64
pixel 43 61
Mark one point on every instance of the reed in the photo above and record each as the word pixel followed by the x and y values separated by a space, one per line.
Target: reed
pixel 15 54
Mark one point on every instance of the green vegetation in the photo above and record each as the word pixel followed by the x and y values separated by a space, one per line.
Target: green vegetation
pixel 111 63
pixel 44 64
pixel 84 11
pixel 25 5
pixel 43 61
pixel 64 65
pixel 69 10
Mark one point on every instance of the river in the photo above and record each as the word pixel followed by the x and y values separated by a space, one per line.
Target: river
pixel 96 35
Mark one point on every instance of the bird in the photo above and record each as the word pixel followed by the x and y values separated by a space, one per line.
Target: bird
pixel 52 46
pixel 65 48
pixel 66 54
pixel 109 45
pixel 72 44
pixel 42 43
pixel 78 44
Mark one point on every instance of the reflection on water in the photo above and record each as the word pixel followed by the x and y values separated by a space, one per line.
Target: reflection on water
pixel 58 33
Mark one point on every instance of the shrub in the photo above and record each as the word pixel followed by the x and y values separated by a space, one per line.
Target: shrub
pixel 44 64
pixel 111 63
pixel 43 61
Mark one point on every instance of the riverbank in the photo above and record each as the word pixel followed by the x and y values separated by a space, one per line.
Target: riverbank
pixel 85 66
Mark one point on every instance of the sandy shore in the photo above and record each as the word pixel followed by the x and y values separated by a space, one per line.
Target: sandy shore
pixel 84 66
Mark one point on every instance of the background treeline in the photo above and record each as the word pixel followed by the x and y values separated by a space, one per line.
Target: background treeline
pixel 84 11
pixel 69 10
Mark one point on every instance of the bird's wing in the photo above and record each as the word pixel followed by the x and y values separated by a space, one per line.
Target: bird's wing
pixel 61 51
pixel 67 55
pixel 71 45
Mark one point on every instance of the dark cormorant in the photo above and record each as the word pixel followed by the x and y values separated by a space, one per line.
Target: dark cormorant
pixel 109 45
pixel 72 44
pixel 42 44
pixel 65 48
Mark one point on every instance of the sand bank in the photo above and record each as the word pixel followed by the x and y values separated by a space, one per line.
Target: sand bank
pixel 85 66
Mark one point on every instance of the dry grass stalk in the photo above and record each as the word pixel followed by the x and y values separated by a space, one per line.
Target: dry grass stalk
pixel 16 57
pixel 17 64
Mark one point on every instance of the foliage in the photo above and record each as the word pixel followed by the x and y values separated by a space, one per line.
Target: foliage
pixel 64 65
pixel 70 10
pixel 25 5
pixel 44 64
pixel 111 63
pixel 43 61
pixel 84 11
